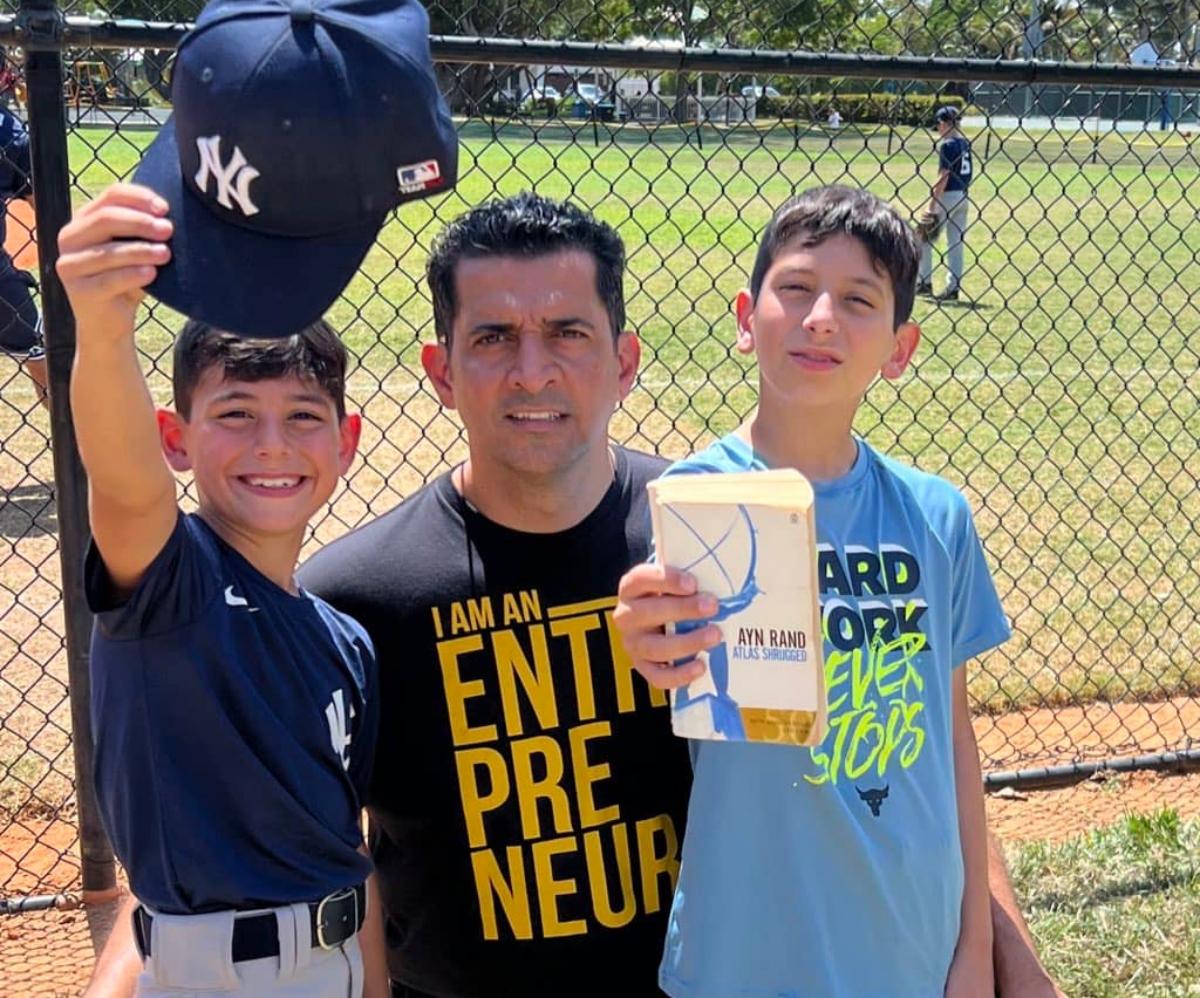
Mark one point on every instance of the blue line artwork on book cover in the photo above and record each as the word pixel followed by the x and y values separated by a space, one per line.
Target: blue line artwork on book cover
pixel 726 718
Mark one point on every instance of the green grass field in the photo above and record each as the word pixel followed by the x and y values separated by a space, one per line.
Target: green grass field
pixel 1063 396
pixel 1115 912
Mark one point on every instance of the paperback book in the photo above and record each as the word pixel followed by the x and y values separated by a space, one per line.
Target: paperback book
pixel 749 538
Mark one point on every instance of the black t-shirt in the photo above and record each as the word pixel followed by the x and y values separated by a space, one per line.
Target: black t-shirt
pixel 529 797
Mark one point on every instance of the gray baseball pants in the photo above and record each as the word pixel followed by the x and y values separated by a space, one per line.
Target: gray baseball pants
pixel 192 954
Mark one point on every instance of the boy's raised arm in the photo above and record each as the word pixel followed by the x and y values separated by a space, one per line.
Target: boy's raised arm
pixel 109 253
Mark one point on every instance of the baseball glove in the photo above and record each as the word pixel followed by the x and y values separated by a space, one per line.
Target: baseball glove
pixel 929 225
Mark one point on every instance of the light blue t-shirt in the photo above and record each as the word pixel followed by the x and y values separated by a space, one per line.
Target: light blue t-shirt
pixel 837 870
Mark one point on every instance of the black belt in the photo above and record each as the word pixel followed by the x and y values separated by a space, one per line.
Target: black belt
pixel 332 921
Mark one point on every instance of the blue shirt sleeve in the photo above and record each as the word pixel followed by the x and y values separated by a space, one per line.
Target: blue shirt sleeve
pixel 174 590
pixel 978 621
pixel 15 166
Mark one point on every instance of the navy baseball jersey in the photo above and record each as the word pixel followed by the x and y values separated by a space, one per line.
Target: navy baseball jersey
pixel 954 156
pixel 14 170
pixel 234 725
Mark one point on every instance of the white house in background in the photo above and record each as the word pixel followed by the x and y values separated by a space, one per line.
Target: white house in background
pixel 626 86
pixel 638 97
pixel 632 87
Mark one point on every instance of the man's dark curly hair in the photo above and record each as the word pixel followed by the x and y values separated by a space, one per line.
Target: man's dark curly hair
pixel 525 225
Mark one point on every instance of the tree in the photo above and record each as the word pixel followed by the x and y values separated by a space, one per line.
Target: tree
pixel 155 62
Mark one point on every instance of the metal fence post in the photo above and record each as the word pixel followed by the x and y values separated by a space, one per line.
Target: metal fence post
pixel 40 25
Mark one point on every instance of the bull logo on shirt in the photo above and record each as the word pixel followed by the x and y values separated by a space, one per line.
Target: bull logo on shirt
pixel 874 797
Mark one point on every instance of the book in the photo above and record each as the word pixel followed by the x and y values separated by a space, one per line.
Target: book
pixel 749 539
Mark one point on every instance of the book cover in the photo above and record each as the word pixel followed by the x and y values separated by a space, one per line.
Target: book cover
pixel 749 538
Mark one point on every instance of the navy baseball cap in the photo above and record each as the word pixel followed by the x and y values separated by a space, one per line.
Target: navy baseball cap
pixel 298 126
pixel 947 113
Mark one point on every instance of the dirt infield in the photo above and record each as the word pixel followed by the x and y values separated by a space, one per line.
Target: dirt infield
pixel 1050 736
pixel 39 855
pixel 50 954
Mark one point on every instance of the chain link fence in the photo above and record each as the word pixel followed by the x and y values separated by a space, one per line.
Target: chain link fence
pixel 1060 391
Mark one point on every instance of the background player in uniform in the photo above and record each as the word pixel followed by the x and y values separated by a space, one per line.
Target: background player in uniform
pixel 858 867
pixel 20 325
pixel 948 208
pixel 12 82
pixel 234 713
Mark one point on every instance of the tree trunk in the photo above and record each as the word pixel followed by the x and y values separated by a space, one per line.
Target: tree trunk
pixel 682 90
pixel 154 65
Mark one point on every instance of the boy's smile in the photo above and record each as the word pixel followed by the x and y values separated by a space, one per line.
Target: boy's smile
pixel 266 455
pixel 277 485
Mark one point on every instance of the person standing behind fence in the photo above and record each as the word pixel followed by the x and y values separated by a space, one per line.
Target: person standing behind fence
pixel 948 205
pixel 859 867
pixel 234 714
pixel 20 324
pixel 12 83
pixel 533 852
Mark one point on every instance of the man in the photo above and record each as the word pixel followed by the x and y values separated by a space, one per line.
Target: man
pixel 529 797
pixel 527 825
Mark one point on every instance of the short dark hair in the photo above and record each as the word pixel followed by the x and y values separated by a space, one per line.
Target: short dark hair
pixel 525 225
pixel 313 354
pixel 817 214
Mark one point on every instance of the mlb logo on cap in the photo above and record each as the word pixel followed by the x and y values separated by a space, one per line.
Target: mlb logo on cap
pixel 420 176
pixel 298 126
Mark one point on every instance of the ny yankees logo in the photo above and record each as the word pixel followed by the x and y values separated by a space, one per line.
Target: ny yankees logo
pixel 339 731
pixel 233 181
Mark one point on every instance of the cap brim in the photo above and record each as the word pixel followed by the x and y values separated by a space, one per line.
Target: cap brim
pixel 239 280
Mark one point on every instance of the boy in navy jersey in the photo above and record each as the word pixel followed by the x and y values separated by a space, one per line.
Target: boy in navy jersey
pixel 234 713
pixel 948 200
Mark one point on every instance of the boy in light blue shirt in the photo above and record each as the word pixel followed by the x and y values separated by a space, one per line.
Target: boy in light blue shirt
pixel 859 867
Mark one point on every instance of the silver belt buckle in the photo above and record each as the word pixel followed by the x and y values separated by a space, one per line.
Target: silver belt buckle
pixel 334 898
